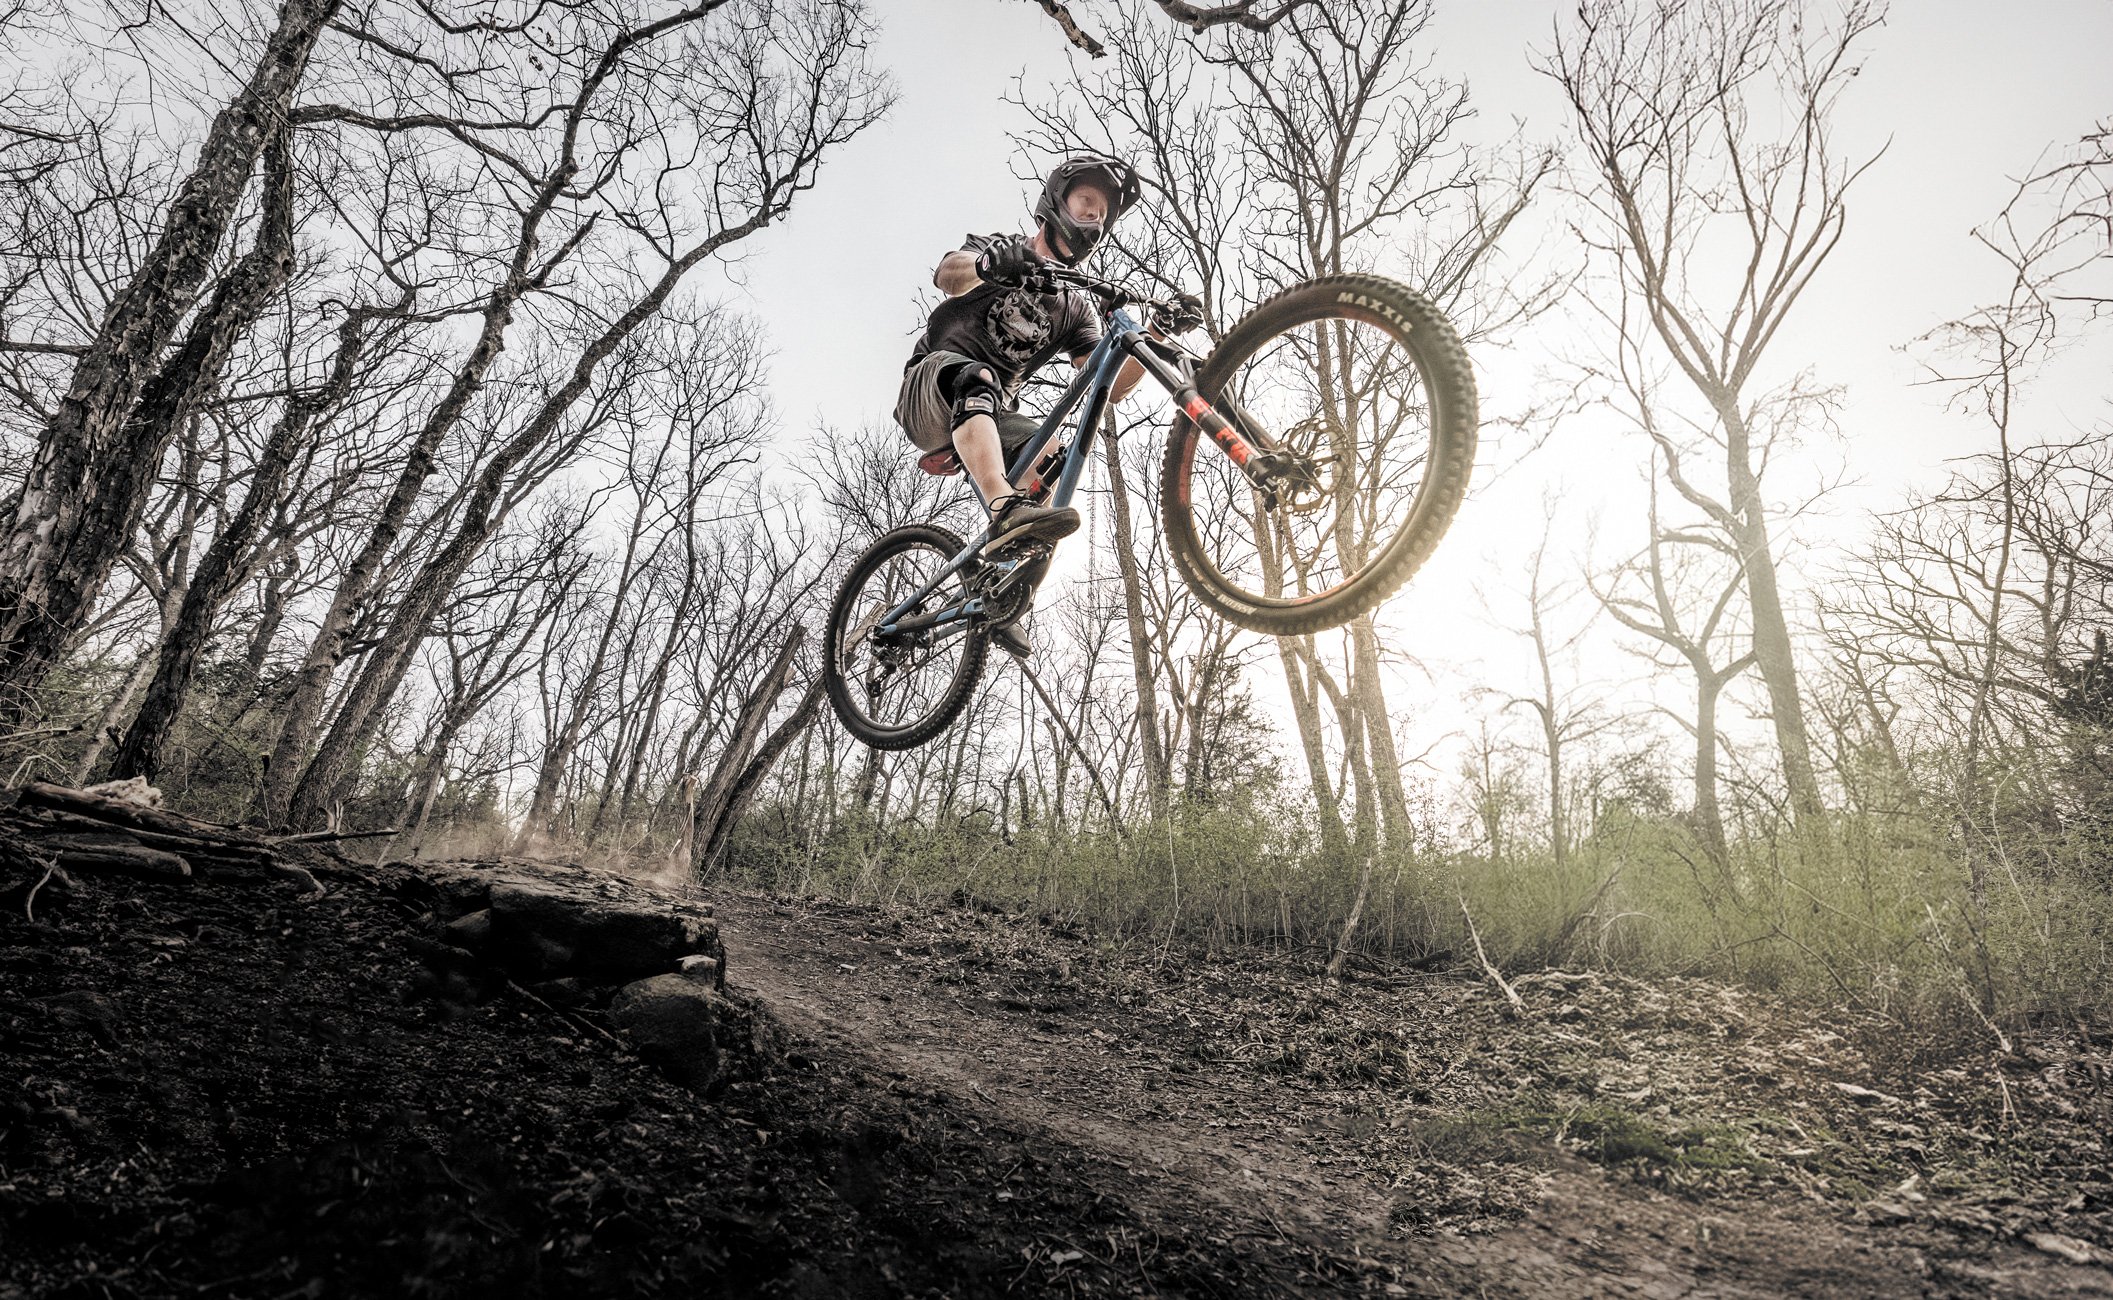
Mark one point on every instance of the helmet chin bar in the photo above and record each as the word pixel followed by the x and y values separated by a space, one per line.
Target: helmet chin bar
pixel 1070 241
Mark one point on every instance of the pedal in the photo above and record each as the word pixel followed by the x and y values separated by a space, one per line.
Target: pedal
pixel 1042 542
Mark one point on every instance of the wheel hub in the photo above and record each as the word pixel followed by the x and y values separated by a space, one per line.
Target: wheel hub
pixel 1299 471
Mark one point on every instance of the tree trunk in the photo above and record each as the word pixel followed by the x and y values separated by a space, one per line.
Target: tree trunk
pixel 1379 729
pixel 419 806
pixel 311 683
pixel 95 464
pixel 1558 820
pixel 1195 780
pixel 867 784
pixel 1709 817
pixel 619 705
pixel 1156 775
pixel 1364 816
pixel 481 517
pixel 1357 912
pixel 224 565
pixel 1773 653
pixel 284 568
pixel 1306 713
pixel 304 705
pixel 656 693
pixel 1546 708
pixel 558 756
pixel 113 715
pixel 734 778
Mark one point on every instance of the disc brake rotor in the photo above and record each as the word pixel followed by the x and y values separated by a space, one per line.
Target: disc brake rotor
pixel 1304 471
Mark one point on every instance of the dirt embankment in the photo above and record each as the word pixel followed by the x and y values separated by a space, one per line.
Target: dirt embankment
pixel 236 1085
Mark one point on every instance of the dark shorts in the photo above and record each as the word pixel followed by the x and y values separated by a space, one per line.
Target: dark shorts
pixel 925 407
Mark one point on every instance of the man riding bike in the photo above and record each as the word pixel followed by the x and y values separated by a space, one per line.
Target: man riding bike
pixel 1313 459
pixel 997 327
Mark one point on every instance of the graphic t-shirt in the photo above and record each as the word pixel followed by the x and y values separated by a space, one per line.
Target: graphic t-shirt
pixel 1015 331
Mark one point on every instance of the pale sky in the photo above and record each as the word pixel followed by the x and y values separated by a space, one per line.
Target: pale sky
pixel 1967 93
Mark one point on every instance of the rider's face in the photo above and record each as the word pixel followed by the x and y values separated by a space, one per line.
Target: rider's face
pixel 1087 203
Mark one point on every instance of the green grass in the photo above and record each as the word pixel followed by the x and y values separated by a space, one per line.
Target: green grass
pixel 1606 1135
pixel 1872 914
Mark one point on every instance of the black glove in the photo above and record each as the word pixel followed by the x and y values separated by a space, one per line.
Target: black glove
pixel 1179 316
pixel 1009 262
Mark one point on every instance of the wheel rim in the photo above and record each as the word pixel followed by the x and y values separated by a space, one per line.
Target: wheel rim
pixel 1346 408
pixel 893 684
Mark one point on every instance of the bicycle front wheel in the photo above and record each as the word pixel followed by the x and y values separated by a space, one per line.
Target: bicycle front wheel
pixel 1357 392
pixel 898 691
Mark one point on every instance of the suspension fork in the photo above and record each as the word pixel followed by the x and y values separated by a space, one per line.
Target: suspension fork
pixel 1252 460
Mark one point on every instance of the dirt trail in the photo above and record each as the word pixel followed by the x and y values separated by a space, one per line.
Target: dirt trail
pixel 1273 1163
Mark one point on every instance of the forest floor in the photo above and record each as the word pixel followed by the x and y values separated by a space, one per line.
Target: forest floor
pixel 242 1087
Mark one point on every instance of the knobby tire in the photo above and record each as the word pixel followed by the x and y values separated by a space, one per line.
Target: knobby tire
pixel 846 607
pixel 1441 362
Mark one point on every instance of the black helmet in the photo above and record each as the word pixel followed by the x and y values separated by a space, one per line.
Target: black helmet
pixel 1111 174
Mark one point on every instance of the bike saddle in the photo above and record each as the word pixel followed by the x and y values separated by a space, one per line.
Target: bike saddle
pixel 943 462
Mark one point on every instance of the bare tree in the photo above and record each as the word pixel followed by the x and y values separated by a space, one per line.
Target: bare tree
pixel 1718 194
pixel 1158 774
pixel 705 397
pixel 2071 246
pixel 1669 594
pixel 97 454
pixel 749 754
pixel 1565 719
pixel 486 639
pixel 543 188
pixel 224 565
pixel 1495 792
pixel 1339 141
pixel 1982 660
pixel 1982 597
pixel 765 104
pixel 1252 15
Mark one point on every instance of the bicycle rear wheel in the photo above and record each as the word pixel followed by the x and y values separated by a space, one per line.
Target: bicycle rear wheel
pixel 1358 393
pixel 896 692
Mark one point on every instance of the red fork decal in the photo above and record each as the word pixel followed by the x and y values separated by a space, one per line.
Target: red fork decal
pixel 1216 426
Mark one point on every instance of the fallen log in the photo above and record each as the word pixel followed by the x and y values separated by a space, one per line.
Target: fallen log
pixel 1495 976
pixel 137 860
pixel 48 820
pixel 118 812
pixel 96 830
pixel 332 837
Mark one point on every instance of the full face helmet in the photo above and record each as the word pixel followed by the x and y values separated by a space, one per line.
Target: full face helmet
pixel 1111 174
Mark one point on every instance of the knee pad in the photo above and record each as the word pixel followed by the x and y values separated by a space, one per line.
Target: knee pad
pixel 976 392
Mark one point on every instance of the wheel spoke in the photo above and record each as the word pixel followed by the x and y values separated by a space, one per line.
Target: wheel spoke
pixel 1342 397
pixel 892 691
pixel 1334 384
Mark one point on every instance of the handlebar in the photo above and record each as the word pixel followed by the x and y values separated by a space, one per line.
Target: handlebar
pixel 1049 277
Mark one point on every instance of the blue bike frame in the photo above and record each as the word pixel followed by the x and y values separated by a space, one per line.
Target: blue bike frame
pixel 1094 384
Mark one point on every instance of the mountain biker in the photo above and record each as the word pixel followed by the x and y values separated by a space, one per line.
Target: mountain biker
pixel 961 385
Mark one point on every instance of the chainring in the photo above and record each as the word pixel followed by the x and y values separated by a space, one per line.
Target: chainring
pixel 1007 588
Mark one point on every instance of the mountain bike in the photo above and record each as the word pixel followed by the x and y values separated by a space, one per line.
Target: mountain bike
pixel 1316 457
